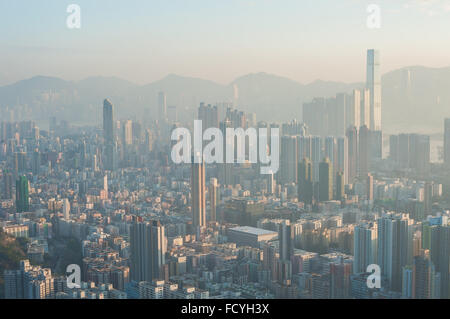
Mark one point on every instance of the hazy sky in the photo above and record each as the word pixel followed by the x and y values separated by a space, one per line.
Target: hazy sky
pixel 144 40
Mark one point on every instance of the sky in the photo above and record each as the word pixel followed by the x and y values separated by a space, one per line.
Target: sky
pixel 144 40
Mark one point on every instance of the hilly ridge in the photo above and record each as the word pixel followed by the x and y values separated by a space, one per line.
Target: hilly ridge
pixel 414 98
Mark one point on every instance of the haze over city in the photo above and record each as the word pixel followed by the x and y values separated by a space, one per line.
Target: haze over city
pixel 231 151
pixel 143 41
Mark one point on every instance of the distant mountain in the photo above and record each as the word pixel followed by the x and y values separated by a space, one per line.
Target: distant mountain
pixel 414 98
pixel 26 90
pixel 185 92
pixel 277 98
pixel 105 86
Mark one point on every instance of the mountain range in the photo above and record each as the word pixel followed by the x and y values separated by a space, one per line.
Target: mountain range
pixel 414 99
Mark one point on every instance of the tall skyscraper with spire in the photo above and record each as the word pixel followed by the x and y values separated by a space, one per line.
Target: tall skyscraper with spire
pixel 373 83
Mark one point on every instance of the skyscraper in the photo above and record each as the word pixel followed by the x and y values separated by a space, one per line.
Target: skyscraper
pixel 410 151
pixel 340 186
pixel 36 162
pixel 364 110
pixel 148 247
pixel 342 157
pixel 209 116
pixel 22 199
pixel 288 160
pixel 213 196
pixel 108 135
pixel 325 180
pixel 127 132
pixel 394 246
pixel 364 151
pixel 365 247
pixel 339 122
pixel 286 239
pixel 393 148
pixel 376 141
pixel 7 185
pixel 447 142
pixel 352 137
pixel 369 188
pixel 226 176
pixel 305 182
pixel 198 194
pixel 316 156
pixel 374 85
pixel 331 151
pixel 108 122
pixel 424 277
pixel 353 110
pixel 66 208
pixel 428 198
pixel 439 243
pixel 303 147
pixel 340 273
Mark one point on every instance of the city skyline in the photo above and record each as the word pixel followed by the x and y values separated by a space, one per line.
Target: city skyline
pixel 262 188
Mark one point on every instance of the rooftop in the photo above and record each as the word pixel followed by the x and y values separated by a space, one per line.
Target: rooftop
pixel 253 230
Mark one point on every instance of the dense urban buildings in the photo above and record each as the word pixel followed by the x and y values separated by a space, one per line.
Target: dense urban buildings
pixel 112 199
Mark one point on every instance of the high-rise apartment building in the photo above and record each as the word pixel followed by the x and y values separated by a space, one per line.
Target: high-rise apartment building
pixel 127 132
pixel 352 137
pixel 364 151
pixel 288 160
pixel 447 142
pixel 305 181
pixel 339 186
pixel 364 247
pixel 198 194
pixel 22 197
pixel 340 285
pixel 325 181
pixel 364 108
pixel 353 110
pixel 148 246
pixel 395 237
pixel 209 115
pixel 342 157
pixel 7 181
pixel 425 281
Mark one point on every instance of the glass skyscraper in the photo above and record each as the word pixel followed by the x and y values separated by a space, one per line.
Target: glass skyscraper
pixel 374 85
